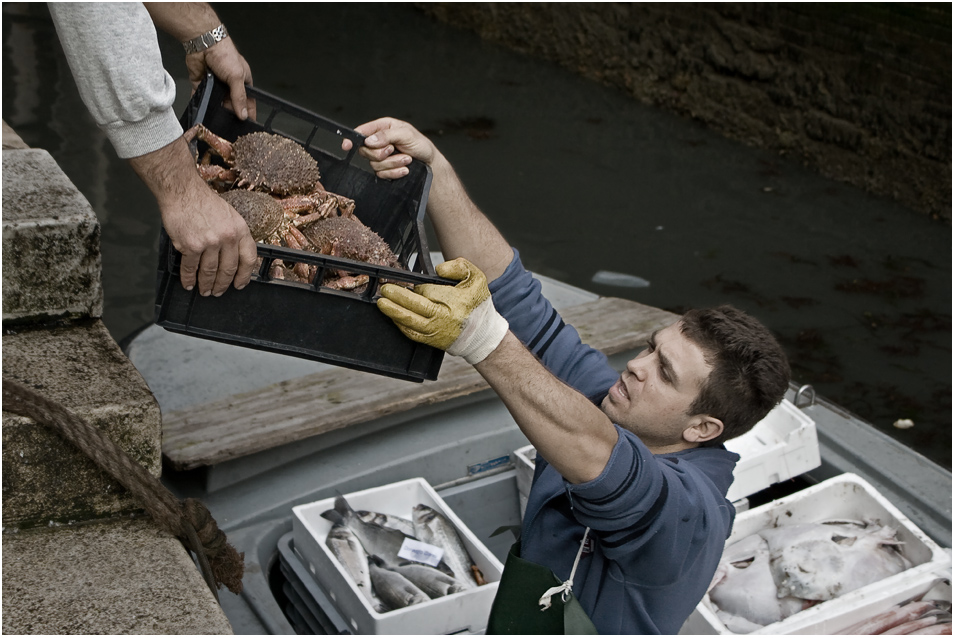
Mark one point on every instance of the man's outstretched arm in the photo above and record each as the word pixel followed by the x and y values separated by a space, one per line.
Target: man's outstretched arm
pixel 568 430
pixel 462 229
pixel 114 56
pixel 574 435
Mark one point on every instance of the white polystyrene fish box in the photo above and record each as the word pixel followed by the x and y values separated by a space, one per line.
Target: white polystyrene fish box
pixel 524 460
pixel 463 612
pixel 781 446
pixel 863 604
pixel 847 497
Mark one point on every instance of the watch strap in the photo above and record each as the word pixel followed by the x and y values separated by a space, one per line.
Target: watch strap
pixel 206 40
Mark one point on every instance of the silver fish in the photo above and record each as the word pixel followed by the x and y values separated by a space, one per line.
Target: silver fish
pixel 376 539
pixel 393 588
pixel 431 581
pixel 346 547
pixel 433 528
pixel 402 525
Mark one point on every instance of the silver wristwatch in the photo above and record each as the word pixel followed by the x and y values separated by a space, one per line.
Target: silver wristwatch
pixel 206 40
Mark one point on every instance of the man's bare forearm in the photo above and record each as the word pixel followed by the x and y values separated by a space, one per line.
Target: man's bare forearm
pixel 462 229
pixel 183 20
pixel 169 172
pixel 569 431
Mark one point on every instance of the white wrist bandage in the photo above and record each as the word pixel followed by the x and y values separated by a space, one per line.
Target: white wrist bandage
pixel 483 331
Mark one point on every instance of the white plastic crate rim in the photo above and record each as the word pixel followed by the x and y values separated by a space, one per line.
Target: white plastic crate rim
pixel 781 446
pixel 844 497
pixel 465 611
pixel 524 460
pixel 861 605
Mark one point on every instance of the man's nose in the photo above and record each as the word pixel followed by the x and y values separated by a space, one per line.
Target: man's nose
pixel 638 368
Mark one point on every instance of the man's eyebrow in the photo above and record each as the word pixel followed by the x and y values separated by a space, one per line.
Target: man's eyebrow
pixel 664 361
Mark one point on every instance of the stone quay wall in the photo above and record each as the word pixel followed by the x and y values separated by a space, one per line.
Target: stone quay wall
pixel 77 556
pixel 859 92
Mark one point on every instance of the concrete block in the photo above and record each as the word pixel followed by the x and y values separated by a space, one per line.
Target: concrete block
pixel 109 578
pixel 45 478
pixel 11 139
pixel 51 257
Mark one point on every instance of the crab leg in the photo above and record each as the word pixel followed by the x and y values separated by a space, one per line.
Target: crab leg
pixel 220 146
pixel 348 282
pixel 323 203
pixel 296 240
pixel 214 173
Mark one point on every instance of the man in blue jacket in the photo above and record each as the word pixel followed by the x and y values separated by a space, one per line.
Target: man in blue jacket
pixel 635 460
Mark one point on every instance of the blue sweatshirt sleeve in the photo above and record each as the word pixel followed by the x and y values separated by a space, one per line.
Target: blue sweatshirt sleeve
pixel 517 295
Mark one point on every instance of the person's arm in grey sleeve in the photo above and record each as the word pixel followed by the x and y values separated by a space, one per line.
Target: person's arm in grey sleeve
pixel 114 55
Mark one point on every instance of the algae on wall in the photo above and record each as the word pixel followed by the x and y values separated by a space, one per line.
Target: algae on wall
pixel 860 92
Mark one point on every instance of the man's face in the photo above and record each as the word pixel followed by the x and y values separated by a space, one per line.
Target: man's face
pixel 653 395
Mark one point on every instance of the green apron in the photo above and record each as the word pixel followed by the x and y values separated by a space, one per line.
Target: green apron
pixel 521 597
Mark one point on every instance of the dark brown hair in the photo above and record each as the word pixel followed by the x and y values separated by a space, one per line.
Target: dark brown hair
pixel 750 371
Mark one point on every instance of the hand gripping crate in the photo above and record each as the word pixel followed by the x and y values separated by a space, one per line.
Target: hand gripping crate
pixel 844 497
pixel 308 320
pixel 463 612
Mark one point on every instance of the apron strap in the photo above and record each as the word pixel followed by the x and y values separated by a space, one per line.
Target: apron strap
pixel 567 587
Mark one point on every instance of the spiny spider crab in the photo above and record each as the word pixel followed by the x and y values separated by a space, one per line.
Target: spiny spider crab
pixel 348 237
pixel 269 223
pixel 273 184
pixel 270 163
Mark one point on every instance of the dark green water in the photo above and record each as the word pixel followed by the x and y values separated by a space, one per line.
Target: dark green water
pixel 580 178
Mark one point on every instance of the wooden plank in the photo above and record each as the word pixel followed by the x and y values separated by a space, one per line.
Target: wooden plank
pixel 306 406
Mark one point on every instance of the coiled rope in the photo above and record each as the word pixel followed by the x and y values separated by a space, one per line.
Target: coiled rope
pixel 188 520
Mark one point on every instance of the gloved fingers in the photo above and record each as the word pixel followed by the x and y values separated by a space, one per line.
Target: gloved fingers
pixel 439 294
pixel 412 300
pixel 459 269
pixel 407 320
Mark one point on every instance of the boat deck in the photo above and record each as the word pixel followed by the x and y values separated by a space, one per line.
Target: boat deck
pixel 253 434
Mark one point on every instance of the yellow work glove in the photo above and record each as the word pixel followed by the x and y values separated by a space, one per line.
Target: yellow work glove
pixel 460 319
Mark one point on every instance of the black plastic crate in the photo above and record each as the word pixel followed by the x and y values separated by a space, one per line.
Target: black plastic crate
pixel 308 320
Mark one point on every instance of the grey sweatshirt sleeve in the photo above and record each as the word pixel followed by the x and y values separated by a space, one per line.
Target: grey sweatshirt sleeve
pixel 113 52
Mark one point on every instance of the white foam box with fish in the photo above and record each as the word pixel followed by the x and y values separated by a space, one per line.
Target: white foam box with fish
pixel 863 604
pixel 524 460
pixel 844 497
pixel 781 446
pixel 463 612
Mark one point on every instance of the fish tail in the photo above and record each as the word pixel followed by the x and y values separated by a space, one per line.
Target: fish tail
pixel 334 516
pixel 343 507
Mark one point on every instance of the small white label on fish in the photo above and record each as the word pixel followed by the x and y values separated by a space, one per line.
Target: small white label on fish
pixel 421 552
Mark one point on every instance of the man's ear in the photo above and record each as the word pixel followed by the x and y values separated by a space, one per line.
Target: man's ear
pixel 704 428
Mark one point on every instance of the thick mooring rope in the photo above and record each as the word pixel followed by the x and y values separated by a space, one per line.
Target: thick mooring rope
pixel 189 520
